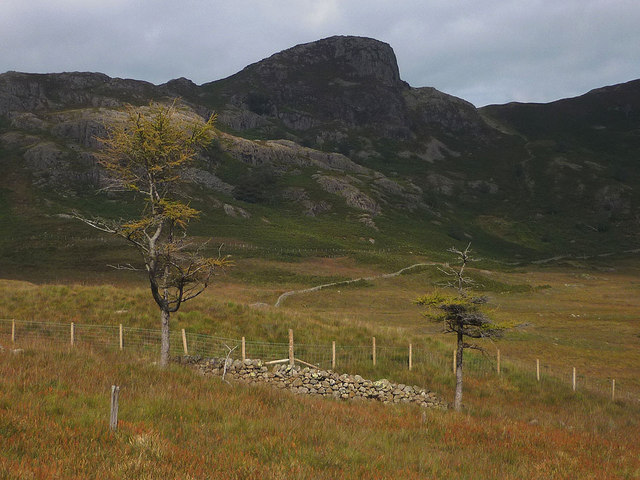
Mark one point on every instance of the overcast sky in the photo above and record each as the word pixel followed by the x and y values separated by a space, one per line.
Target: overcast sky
pixel 485 51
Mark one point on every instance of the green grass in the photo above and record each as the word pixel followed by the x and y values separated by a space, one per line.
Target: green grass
pixel 281 276
pixel 174 423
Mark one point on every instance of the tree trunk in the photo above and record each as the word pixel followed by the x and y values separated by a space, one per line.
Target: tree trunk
pixel 164 348
pixel 457 403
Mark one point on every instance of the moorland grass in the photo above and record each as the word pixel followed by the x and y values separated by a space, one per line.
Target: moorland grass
pixel 176 424
pixel 565 317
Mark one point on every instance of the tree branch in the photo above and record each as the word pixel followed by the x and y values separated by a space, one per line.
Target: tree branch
pixel 97 223
pixel 126 266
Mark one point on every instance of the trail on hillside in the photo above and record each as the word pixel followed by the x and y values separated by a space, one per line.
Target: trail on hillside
pixel 282 297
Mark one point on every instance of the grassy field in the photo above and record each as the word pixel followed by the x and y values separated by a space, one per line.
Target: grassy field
pixel 54 399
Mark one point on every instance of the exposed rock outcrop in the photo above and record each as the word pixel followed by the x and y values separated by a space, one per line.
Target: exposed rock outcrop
pixel 299 196
pixel 351 194
pixel 235 211
pixel 286 153
pixel 341 83
pixel 30 92
pixel 346 60
pixel 207 180
pixel 444 112
pixel 351 80
pixel 54 166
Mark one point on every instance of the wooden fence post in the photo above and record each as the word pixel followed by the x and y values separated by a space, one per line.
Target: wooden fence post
pixel 574 379
pixel 373 350
pixel 498 362
pixel 537 369
pixel 613 390
pixel 455 362
pixel 333 355
pixel 121 338
pixel 244 350
pixel 13 331
pixel 73 333
pixel 113 419
pixel 410 357
pixel 292 359
pixel 184 342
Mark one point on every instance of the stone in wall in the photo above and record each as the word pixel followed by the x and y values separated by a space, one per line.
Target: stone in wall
pixel 311 381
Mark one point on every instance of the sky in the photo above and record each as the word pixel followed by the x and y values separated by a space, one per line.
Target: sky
pixel 485 51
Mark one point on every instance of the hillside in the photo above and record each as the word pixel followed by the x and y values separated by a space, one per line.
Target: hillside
pixel 583 154
pixel 323 147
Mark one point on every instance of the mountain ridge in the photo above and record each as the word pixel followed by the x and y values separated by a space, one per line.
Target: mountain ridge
pixel 329 131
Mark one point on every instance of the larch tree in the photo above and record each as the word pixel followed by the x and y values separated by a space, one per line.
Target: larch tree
pixel 147 154
pixel 460 313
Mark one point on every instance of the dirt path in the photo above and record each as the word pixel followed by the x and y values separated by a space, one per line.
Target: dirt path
pixel 282 297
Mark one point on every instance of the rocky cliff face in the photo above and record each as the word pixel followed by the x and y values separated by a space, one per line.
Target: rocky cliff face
pixel 342 59
pixel 324 90
pixel 347 80
pixel 24 92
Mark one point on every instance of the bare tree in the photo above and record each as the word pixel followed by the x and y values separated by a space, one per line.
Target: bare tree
pixel 147 154
pixel 460 313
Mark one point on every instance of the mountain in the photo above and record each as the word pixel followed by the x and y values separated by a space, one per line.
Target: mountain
pixel 583 154
pixel 324 146
pixel 321 91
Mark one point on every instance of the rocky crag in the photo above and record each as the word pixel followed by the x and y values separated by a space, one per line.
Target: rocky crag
pixel 311 381
pixel 337 91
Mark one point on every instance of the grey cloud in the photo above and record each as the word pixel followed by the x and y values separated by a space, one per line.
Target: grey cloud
pixel 492 51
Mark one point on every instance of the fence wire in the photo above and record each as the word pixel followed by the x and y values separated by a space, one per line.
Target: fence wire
pixel 347 358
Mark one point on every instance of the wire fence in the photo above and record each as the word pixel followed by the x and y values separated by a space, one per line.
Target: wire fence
pixel 376 359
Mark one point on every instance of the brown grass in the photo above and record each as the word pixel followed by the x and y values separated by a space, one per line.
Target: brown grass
pixel 54 401
pixel 175 424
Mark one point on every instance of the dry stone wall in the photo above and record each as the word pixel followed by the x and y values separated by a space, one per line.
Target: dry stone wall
pixel 311 381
